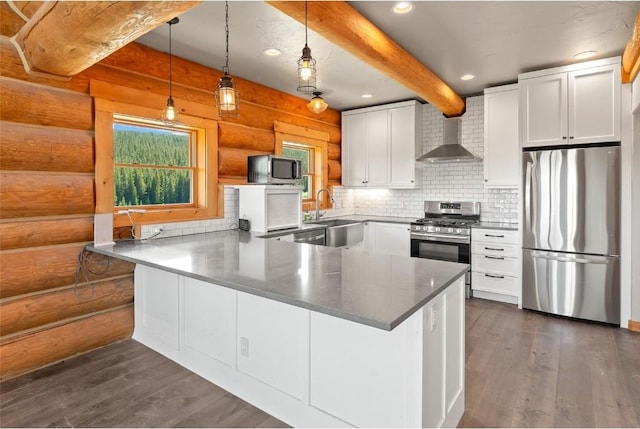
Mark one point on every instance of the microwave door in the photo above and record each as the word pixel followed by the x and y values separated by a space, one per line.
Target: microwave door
pixel 281 168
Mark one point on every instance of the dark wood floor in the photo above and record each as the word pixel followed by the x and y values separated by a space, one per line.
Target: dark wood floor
pixel 523 369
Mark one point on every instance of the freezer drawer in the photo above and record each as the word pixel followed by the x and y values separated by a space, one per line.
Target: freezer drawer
pixel 575 285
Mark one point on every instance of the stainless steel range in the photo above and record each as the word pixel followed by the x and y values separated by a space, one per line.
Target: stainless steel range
pixel 445 232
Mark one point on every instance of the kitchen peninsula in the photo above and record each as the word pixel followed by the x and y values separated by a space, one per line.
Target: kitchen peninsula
pixel 316 336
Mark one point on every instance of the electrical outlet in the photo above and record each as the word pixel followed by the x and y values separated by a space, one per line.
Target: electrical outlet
pixel 244 347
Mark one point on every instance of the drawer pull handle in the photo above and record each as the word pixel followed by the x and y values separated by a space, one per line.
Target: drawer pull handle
pixel 494 277
pixel 494 257
pixel 494 248
pixel 494 235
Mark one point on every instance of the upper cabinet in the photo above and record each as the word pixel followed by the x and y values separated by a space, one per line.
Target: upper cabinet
pixel 501 141
pixel 571 105
pixel 380 145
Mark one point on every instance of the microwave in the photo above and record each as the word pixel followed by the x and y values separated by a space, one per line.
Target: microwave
pixel 273 170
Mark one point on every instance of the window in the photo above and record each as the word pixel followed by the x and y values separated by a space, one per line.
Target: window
pixel 153 165
pixel 310 146
pixel 170 172
pixel 305 154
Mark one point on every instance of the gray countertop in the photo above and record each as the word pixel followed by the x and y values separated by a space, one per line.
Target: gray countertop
pixel 372 289
pixel 496 225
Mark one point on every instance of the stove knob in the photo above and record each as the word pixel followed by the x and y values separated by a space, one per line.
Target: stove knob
pixel 437 229
pixel 458 231
pixel 451 230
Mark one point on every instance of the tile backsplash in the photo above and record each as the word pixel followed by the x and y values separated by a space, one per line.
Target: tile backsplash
pixel 458 181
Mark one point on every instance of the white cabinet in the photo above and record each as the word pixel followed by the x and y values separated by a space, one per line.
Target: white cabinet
pixel 156 309
pixel 389 238
pixel 270 207
pixel 380 145
pixel 501 141
pixel 495 264
pixel 412 376
pixel 571 105
pixel 273 343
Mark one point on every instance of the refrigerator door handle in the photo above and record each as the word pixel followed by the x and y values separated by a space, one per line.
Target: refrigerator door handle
pixel 582 259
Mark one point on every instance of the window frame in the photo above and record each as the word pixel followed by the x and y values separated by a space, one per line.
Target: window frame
pixel 313 139
pixel 206 204
pixel 312 162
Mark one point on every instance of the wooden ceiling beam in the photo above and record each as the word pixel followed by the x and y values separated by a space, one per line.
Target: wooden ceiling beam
pixel 345 27
pixel 631 54
pixel 65 38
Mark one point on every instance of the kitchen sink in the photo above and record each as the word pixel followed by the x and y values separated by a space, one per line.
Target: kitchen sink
pixel 342 232
pixel 337 222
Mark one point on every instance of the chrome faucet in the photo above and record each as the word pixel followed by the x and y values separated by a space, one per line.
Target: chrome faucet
pixel 318 201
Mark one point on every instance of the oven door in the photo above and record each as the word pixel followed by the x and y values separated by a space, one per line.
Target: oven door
pixel 454 249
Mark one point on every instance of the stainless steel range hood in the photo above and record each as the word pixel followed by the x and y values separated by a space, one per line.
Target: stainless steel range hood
pixel 450 149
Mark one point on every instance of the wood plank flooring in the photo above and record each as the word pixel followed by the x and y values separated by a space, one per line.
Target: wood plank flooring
pixel 526 369
pixel 523 369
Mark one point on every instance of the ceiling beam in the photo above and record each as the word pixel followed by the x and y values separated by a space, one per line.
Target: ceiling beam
pixel 345 27
pixel 65 38
pixel 631 54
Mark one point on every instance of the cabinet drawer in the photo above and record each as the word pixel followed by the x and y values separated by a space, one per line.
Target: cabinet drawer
pixel 496 249
pixel 494 235
pixel 494 284
pixel 495 264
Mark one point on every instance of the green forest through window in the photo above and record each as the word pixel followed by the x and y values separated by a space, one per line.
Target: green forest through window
pixel 152 165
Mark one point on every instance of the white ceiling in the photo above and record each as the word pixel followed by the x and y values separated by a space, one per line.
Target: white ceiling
pixel 492 40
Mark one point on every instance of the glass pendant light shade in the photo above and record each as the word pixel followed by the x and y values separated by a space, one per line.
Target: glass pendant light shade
pixel 227 97
pixel 306 72
pixel 317 103
pixel 170 114
pixel 306 63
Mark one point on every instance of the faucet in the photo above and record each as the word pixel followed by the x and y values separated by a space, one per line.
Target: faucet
pixel 318 201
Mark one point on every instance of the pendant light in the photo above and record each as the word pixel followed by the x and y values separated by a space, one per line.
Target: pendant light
pixel 306 63
pixel 169 114
pixel 317 103
pixel 227 98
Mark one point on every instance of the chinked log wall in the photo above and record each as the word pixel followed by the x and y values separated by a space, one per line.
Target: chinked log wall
pixel 47 194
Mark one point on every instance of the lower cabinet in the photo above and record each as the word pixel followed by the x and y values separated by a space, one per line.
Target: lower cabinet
pixel 308 368
pixel 495 264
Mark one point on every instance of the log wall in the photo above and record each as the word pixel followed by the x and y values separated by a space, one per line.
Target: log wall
pixel 47 192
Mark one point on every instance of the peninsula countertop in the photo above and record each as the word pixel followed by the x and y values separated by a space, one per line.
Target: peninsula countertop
pixel 371 289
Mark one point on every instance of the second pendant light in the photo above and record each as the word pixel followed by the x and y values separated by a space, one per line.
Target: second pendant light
pixel 227 97
pixel 306 63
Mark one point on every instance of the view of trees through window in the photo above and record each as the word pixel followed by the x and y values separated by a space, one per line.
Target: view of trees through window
pixel 152 166
pixel 304 154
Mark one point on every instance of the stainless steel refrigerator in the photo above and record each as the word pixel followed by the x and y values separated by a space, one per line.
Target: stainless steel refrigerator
pixel 571 232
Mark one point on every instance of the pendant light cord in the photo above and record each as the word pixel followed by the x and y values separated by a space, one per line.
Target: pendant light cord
pixel 226 31
pixel 306 28
pixel 170 60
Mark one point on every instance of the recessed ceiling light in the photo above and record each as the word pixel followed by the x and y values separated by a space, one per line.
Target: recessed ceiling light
pixel 402 7
pixel 272 52
pixel 584 55
pixel 467 77
pixel 367 95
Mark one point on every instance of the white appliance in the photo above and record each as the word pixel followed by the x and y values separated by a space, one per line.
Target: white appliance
pixel 271 207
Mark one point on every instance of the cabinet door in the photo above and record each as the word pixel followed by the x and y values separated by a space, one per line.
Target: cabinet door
pixel 377 148
pixel 354 149
pixel 402 150
pixel 434 365
pixel 544 110
pixel 501 147
pixel 594 105
pixel 390 238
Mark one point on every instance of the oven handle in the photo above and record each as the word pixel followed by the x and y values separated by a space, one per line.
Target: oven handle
pixel 439 237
